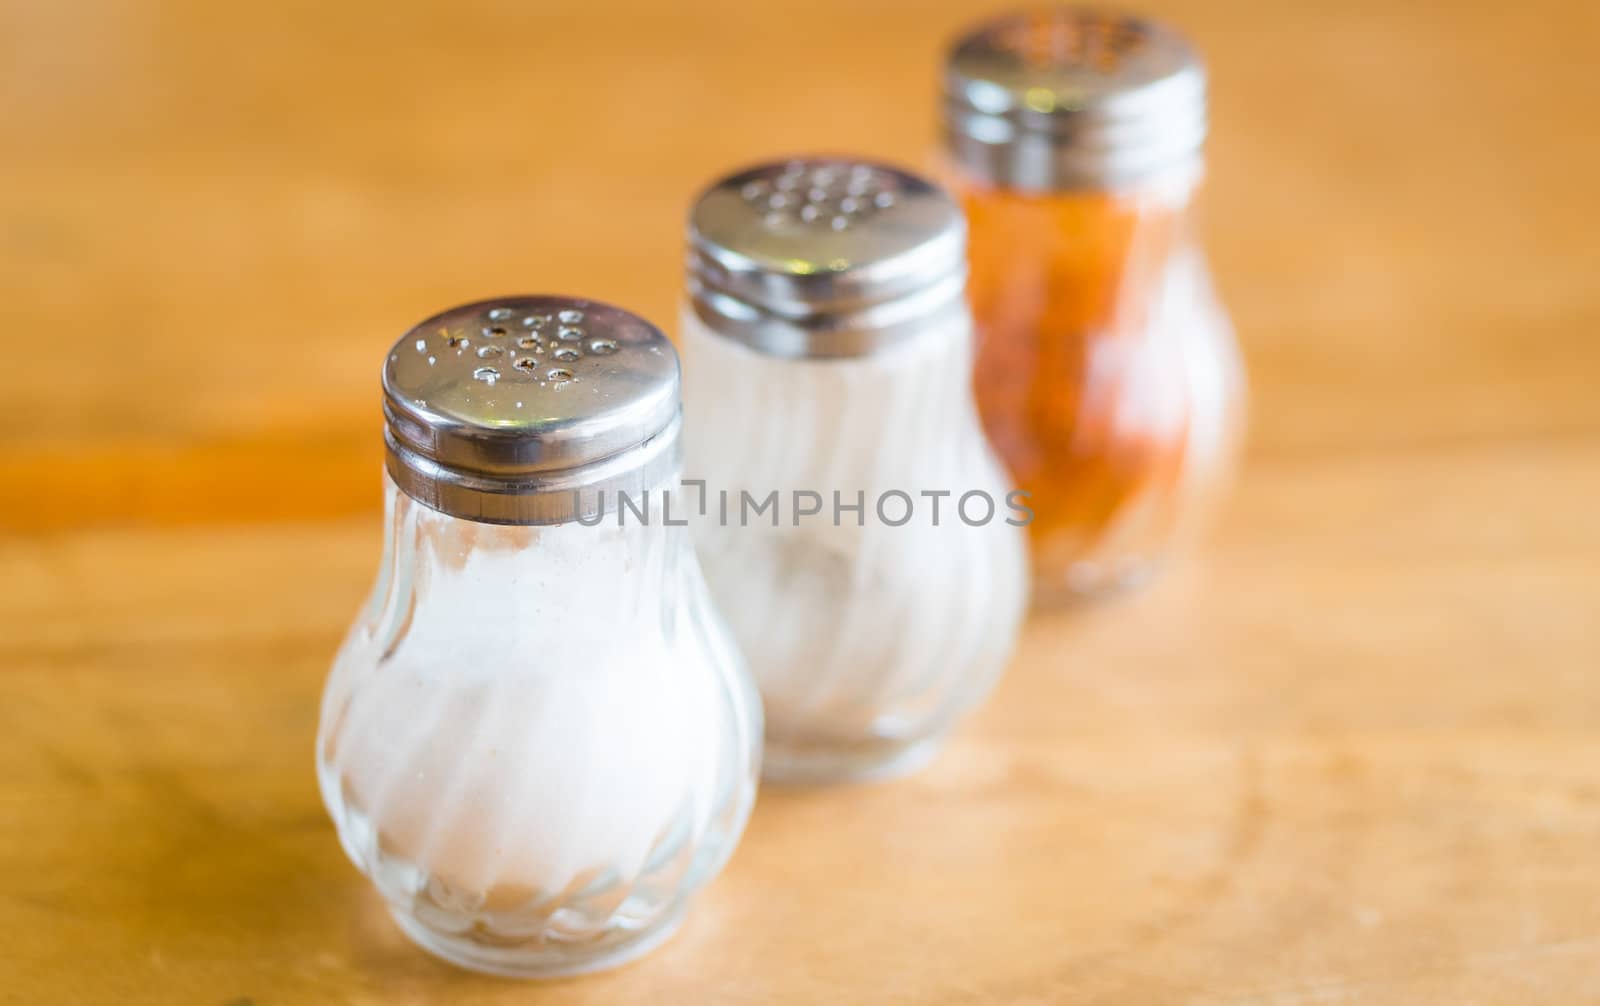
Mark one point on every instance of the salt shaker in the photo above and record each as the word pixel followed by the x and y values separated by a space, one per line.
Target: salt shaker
pixel 537 740
pixel 860 536
pixel 1108 377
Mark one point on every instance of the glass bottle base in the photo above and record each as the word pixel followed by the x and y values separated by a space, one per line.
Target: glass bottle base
pixel 812 764
pixel 546 960
pixel 1087 582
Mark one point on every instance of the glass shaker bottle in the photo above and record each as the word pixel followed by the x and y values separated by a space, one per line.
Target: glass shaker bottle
pixel 878 592
pixel 537 740
pixel 1107 373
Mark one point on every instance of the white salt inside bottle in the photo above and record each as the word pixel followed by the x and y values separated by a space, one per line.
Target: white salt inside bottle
pixel 477 754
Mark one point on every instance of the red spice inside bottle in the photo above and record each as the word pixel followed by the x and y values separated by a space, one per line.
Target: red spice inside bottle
pixel 1063 285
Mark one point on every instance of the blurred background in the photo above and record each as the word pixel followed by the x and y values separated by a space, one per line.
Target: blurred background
pixel 1353 748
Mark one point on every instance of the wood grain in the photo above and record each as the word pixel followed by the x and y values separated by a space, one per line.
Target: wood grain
pixel 1350 754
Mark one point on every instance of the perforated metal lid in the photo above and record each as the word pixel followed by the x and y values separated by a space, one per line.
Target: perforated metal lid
pixel 823 257
pixel 520 410
pixel 1073 98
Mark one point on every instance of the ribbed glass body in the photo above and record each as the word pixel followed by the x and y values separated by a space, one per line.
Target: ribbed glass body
pixel 1108 377
pixel 537 741
pixel 868 637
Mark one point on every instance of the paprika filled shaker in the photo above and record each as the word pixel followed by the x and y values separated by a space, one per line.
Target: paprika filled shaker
pixel 1108 377
pixel 860 537
pixel 537 740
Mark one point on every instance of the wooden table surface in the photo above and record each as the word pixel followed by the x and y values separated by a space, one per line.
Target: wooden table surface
pixel 1349 755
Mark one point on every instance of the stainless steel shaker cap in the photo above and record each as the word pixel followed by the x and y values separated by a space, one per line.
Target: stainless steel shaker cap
pixel 521 410
pixel 1073 98
pixel 823 257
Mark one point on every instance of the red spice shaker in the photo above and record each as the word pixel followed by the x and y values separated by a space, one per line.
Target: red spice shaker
pixel 1107 373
